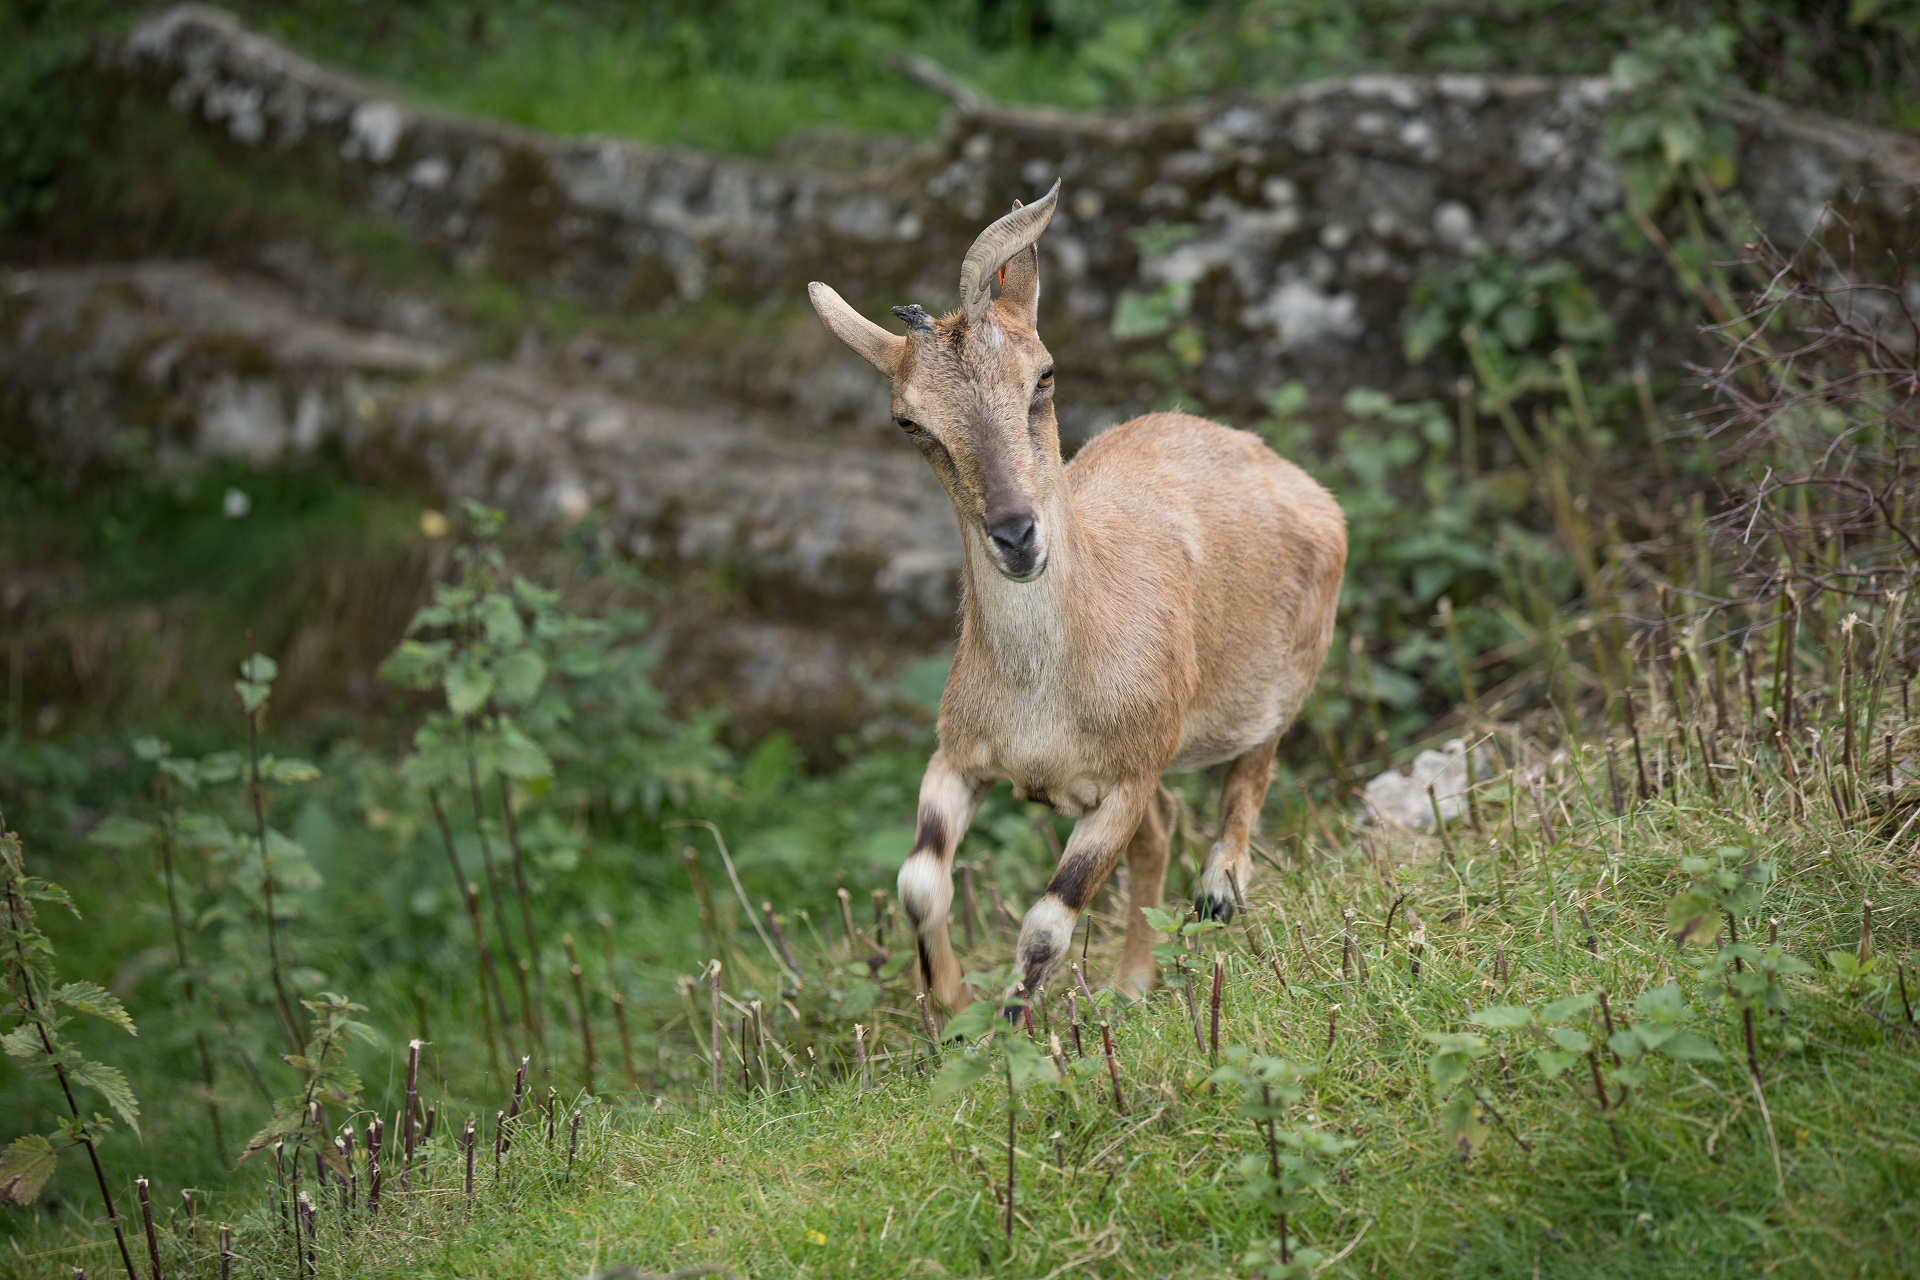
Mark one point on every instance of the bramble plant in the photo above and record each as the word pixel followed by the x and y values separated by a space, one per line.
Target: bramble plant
pixel 34 1002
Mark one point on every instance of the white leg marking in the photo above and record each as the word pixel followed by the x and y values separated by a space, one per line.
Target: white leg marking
pixel 926 889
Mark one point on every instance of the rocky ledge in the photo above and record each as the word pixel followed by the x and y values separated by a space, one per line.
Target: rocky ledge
pixel 1290 227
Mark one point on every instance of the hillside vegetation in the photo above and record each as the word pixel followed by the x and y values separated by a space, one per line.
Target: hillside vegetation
pixel 507 967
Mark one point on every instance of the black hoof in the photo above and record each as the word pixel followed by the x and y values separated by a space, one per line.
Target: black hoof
pixel 1209 907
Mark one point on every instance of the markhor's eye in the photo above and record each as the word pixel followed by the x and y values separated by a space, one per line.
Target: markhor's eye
pixel 1045 383
pixel 906 424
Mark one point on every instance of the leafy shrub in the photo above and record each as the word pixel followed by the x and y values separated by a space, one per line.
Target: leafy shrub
pixel 1519 313
pixel 1418 530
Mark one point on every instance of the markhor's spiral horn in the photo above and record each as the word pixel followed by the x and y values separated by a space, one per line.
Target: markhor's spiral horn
pixel 996 247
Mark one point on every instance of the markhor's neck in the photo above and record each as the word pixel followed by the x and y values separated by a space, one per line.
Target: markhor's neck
pixel 1024 624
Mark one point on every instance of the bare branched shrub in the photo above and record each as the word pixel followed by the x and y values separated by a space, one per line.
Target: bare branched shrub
pixel 1817 420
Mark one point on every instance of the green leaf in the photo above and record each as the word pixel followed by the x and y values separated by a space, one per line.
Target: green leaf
pixel 1463 1121
pixel 1566 1007
pixel 123 835
pixel 1028 1063
pixel 416 664
pixel 1161 921
pixel 1693 917
pixel 468 687
pixel 23 1042
pixel 90 997
pixel 111 1085
pixel 1685 1046
pixel 959 1073
pixel 252 696
pixel 1452 1061
pixel 518 677
pixel 1504 1017
pixel 25 1166
pixel 517 755
pixel 260 669
pixel 1786 966
pixel 502 621
pixel 1554 1061
pixel 975 1020
pixel 1662 1003
pixel 290 772
pixel 1147 315
pixel 1569 1039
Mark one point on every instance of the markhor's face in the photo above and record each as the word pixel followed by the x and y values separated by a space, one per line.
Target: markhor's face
pixel 977 398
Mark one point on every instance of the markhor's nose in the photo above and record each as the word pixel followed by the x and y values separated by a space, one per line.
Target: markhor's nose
pixel 1013 536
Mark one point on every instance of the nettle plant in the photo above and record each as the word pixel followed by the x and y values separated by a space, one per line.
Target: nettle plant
pixel 1509 317
pixel 531 688
pixel 1032 1072
pixel 492 637
pixel 1176 956
pixel 1558 1036
pixel 1726 887
pixel 299 1118
pixel 1290 1174
pixel 39 1006
pixel 1163 310
pixel 224 864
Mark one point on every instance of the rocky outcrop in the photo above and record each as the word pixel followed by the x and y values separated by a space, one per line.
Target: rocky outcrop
pixel 1306 217
pixel 838 556
pixel 1282 233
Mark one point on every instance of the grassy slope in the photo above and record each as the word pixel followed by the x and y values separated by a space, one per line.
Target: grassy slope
pixel 829 1179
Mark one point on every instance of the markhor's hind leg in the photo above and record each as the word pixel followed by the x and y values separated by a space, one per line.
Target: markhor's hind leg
pixel 1146 880
pixel 1229 862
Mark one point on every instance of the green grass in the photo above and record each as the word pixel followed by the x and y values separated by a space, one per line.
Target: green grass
pixel 1679 1180
pixel 738 75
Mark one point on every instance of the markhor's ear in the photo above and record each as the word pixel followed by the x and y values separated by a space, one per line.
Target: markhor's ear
pixel 1020 285
pixel 866 339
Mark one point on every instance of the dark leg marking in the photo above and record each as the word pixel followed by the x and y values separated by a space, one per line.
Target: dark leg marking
pixel 926 962
pixel 1036 961
pixel 930 835
pixel 1077 879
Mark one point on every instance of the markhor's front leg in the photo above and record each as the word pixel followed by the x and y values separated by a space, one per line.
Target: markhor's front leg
pixel 1095 845
pixel 947 803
